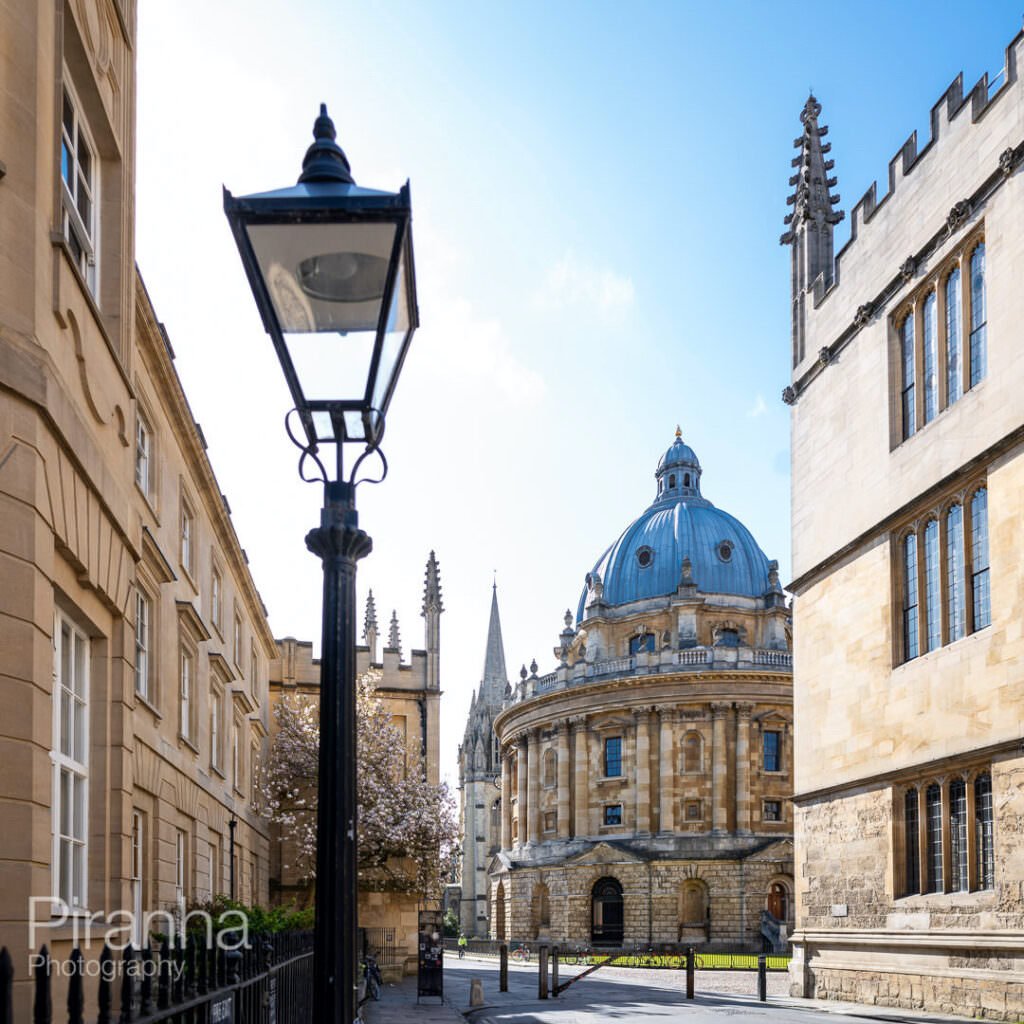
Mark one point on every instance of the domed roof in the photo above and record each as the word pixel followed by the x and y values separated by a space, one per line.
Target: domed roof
pixel 647 559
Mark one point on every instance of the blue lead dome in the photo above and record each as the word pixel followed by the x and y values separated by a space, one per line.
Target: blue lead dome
pixel 647 559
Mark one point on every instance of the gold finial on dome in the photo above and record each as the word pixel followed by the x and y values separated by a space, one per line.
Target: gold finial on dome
pixel 679 432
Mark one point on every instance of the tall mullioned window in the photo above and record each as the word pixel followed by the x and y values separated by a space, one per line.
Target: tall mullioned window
pixel 954 314
pixel 957 819
pixel 979 316
pixel 78 171
pixel 942 564
pixel 979 560
pixel 771 751
pixel 911 647
pixel 933 364
pixel 931 359
pixel 909 375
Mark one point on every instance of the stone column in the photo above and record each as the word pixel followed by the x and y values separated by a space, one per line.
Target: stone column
pixel 533 792
pixel 563 780
pixel 667 772
pixel 581 787
pixel 522 767
pixel 743 767
pixel 506 800
pixel 643 771
pixel 719 798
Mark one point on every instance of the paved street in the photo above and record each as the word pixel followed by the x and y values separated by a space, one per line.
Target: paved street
pixel 623 994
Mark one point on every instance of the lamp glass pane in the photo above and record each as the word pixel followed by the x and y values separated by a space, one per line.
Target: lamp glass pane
pixel 395 332
pixel 330 367
pixel 323 426
pixel 324 277
pixel 354 429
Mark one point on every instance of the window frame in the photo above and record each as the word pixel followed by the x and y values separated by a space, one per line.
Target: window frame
pixel 63 763
pixel 144 645
pixel 938 554
pixel 607 761
pixel 216 596
pixel 81 240
pixel 778 805
pixel 145 442
pixel 188 692
pixel 778 769
pixel 608 811
pixel 925 363
pixel 187 531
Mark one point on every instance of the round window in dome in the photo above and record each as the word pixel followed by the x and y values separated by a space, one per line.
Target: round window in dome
pixel 645 556
pixel 725 550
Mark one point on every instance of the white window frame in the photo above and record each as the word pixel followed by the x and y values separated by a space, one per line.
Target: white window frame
pixel 186 693
pixel 236 754
pixel 217 598
pixel 143 644
pixel 67 765
pixel 137 871
pixel 237 640
pixel 144 455
pixel 187 537
pixel 86 236
pixel 216 728
pixel 180 871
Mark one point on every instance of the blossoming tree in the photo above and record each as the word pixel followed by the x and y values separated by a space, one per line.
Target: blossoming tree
pixel 408 827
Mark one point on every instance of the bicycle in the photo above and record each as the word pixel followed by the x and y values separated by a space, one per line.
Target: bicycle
pixel 521 953
pixel 374 979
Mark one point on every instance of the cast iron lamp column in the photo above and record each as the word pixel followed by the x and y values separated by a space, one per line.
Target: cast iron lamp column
pixel 339 543
pixel 331 268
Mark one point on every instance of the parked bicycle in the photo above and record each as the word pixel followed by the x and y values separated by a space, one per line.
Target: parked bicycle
pixel 374 979
pixel 521 953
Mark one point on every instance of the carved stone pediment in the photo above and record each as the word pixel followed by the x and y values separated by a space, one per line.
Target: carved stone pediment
pixel 780 850
pixel 604 853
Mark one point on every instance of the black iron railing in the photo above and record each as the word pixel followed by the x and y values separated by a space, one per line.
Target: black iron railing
pixel 381 943
pixel 269 978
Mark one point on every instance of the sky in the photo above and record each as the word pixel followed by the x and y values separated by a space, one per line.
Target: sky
pixel 598 192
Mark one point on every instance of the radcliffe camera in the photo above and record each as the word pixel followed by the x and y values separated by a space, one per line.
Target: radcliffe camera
pixel 511 514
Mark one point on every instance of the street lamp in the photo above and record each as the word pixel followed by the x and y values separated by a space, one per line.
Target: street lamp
pixel 331 268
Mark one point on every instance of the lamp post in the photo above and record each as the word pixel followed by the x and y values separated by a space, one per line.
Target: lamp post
pixel 331 268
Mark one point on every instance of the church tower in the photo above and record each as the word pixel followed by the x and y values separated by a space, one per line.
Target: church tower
pixel 812 221
pixel 479 770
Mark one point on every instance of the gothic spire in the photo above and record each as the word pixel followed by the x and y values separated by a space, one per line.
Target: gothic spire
pixel 432 587
pixel 495 679
pixel 370 626
pixel 394 640
pixel 810 225
pixel 812 200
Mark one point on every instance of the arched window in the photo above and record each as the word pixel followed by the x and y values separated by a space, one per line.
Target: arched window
pixel 911 847
pixel 672 481
pixel 954 371
pixel 907 394
pixel 958 835
pixel 911 647
pixel 686 479
pixel 933 823
pixel 693 906
pixel 641 642
pixel 979 316
pixel 956 612
pixel 982 611
pixel 983 831
pixel 931 360
pixel 692 753
pixel 550 768
pixel 496 819
pixel 778 901
pixel 607 913
pixel 541 908
pixel 932 598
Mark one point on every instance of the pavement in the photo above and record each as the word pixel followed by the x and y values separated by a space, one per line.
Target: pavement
pixel 616 995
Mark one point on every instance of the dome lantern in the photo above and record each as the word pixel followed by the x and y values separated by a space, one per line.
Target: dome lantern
pixel 678 472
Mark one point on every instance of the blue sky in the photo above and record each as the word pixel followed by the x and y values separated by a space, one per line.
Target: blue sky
pixel 598 193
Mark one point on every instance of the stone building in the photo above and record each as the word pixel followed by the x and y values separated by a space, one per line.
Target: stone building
pixel 134 646
pixel 411 691
pixel 479 786
pixel 645 782
pixel 908 493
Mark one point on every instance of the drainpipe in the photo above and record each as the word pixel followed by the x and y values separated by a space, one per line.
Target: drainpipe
pixel 422 702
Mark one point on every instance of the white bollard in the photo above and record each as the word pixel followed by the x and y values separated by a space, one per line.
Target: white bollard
pixel 476 992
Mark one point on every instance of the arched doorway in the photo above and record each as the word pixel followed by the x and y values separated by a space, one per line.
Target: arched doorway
pixel 499 914
pixel 606 916
pixel 778 901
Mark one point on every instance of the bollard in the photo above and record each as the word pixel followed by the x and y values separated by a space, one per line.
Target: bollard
pixel 689 972
pixel 503 968
pixel 476 992
pixel 762 977
pixel 554 972
pixel 542 973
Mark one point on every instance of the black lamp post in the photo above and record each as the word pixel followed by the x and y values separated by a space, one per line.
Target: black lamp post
pixel 331 267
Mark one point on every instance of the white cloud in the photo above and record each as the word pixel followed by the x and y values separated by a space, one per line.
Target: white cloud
pixel 759 408
pixel 572 283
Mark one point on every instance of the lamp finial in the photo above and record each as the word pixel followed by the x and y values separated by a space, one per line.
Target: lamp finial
pixel 679 432
pixel 325 160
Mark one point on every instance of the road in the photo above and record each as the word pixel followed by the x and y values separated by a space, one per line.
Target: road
pixel 616 995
